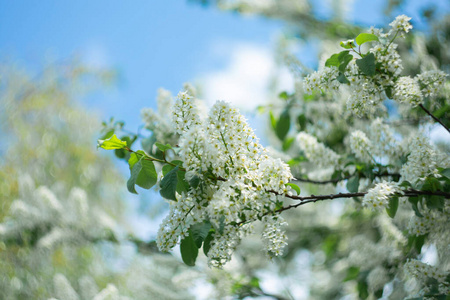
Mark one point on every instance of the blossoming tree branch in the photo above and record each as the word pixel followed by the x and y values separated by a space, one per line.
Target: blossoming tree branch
pixel 219 180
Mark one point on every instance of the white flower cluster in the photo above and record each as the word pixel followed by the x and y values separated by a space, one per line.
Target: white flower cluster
pixel 184 113
pixel 325 79
pixel 317 152
pixel 274 237
pixel 236 175
pixel 158 122
pixel 385 144
pixel 366 254
pixel 431 82
pixel 422 161
pixel 432 221
pixel 407 90
pixel 377 278
pixel 64 221
pixel 401 24
pixel 422 271
pixel 89 290
pixel 368 92
pixel 378 197
pixel 361 145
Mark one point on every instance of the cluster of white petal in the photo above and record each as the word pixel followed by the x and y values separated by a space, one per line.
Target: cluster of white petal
pixel 361 145
pixel 157 121
pixel 422 161
pixel 64 290
pixel 401 24
pixel 422 271
pixel 324 79
pixel 385 143
pixel 60 220
pixel 431 82
pixel 317 152
pixel 378 197
pixel 407 90
pixel 368 92
pixel 236 174
pixel 433 221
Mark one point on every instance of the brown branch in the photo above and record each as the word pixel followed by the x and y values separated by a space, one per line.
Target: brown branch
pixel 436 119
pixel 343 178
pixel 313 198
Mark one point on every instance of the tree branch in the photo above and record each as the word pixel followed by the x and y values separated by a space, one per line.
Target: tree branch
pixel 313 198
pixel 343 178
pixel 436 119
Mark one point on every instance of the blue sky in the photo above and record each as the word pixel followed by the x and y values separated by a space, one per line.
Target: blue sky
pixel 151 43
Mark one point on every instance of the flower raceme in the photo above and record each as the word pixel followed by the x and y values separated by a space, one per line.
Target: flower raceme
pixel 375 76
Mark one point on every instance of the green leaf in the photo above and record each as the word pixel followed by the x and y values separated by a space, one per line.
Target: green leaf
pixel 288 143
pixel 273 121
pixel 341 78
pixel 169 184
pixel 283 125
pixel 199 232
pixel 295 187
pixel 391 209
pixel 414 201
pixel 344 61
pixel 111 143
pixel 163 147
pixel 194 182
pixel 301 120
pixel 435 202
pixel 348 44
pixel 353 184
pixel 388 91
pixel 336 59
pixel 367 64
pixel 147 176
pixel 182 184
pixel 431 184
pixel 284 95
pixel 446 173
pixel 137 167
pixel 189 250
pixel 207 242
pixel 221 224
pixel 352 273
pixel 363 291
pixel 365 37
pixel 419 242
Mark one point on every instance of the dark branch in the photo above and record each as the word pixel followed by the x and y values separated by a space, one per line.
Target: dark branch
pixel 436 119
pixel 343 178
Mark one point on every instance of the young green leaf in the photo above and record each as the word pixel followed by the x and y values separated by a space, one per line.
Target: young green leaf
pixel 273 121
pixel 446 173
pixel 169 184
pixel 295 187
pixel 342 79
pixel 367 64
pixel 391 209
pixel 348 44
pixel 283 125
pixel 336 59
pixel 365 37
pixel 199 232
pixel 189 250
pixel 163 147
pixel 111 143
pixel 287 143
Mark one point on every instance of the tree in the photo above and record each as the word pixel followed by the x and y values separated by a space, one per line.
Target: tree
pixel 357 136
pixel 62 227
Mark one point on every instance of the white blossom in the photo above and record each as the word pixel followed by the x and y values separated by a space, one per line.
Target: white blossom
pixel 378 197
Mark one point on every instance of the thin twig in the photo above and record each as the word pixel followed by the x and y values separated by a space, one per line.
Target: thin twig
pixel 436 119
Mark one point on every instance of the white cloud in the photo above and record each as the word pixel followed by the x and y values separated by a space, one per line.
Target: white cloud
pixel 244 81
